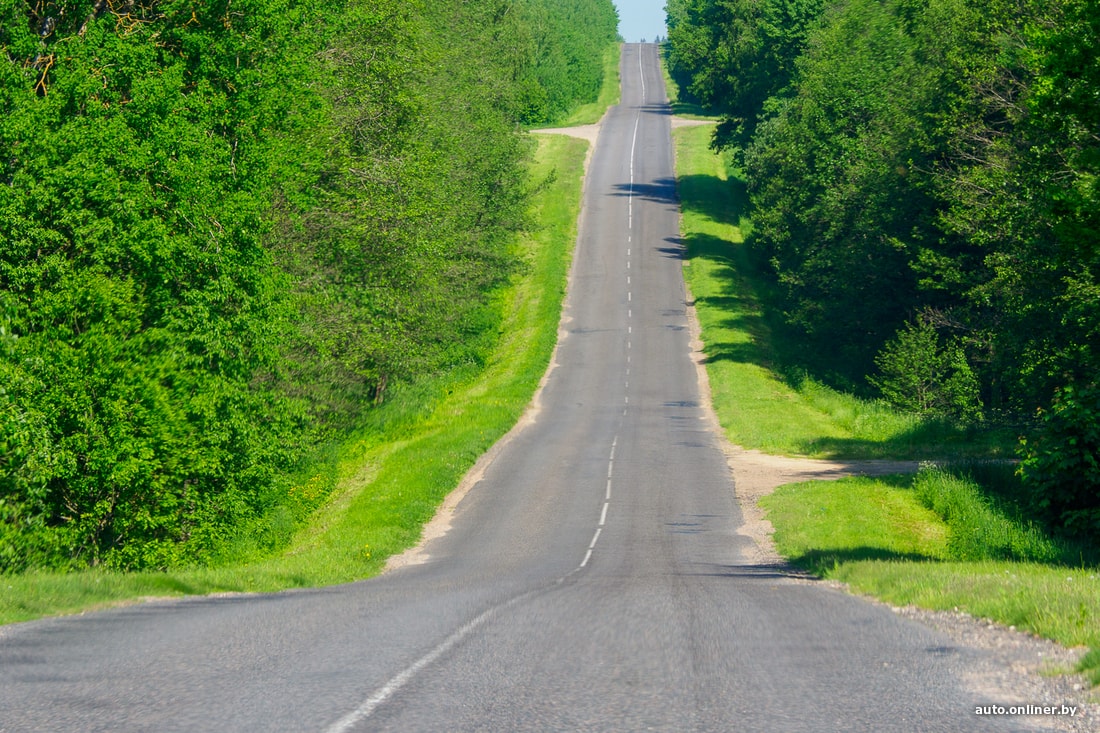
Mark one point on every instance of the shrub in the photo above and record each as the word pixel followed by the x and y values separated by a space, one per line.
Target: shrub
pixel 919 374
pixel 1061 462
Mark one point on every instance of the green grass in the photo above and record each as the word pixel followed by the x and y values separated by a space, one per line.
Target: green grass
pixel 981 526
pixel 951 537
pixel 590 114
pixel 761 403
pixel 935 540
pixel 414 449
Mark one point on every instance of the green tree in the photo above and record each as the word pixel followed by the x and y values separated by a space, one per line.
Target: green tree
pixel 225 227
pixel 736 55
pixel 1061 463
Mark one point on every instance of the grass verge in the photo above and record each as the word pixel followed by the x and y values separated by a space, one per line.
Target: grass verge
pixel 414 450
pixel 934 541
pixel 759 405
pixel 942 539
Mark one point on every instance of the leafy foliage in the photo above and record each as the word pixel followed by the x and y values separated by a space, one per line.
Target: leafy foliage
pixel 557 46
pixel 921 166
pixel 224 228
pixel 735 55
pixel 922 375
pixel 1062 462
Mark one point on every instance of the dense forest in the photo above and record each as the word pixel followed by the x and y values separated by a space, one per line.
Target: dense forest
pixel 226 226
pixel 923 177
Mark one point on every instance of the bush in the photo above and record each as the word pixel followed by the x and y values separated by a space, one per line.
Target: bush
pixel 919 374
pixel 1061 463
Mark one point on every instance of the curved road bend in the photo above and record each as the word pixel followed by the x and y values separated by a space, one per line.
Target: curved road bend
pixel 592 581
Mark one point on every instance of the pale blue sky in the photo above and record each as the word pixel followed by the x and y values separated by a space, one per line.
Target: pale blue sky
pixel 640 19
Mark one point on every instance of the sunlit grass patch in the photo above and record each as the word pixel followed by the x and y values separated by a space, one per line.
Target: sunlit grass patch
pixel 407 455
pixel 937 541
pixel 822 525
pixel 760 402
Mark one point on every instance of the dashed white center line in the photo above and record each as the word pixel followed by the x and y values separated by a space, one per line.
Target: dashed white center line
pixel 630 195
pixel 367 708
pixel 629 330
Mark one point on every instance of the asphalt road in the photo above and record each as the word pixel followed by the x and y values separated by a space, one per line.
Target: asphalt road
pixel 593 580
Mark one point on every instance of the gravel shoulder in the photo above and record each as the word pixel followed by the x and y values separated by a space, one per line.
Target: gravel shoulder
pixel 1016 666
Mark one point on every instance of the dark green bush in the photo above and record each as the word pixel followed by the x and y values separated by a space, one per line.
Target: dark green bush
pixel 1061 462
pixel 920 374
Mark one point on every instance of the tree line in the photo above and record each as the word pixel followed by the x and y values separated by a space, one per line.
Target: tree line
pixel 226 226
pixel 923 176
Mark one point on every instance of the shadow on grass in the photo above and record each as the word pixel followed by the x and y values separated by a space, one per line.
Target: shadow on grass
pixel 173 584
pixel 820 562
pixel 750 296
pixel 724 202
pixel 689 109
pixel 931 440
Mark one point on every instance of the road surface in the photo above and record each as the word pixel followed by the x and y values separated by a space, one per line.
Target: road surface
pixel 593 580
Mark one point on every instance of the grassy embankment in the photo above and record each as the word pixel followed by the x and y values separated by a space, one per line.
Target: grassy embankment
pixel 398 468
pixel 947 538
